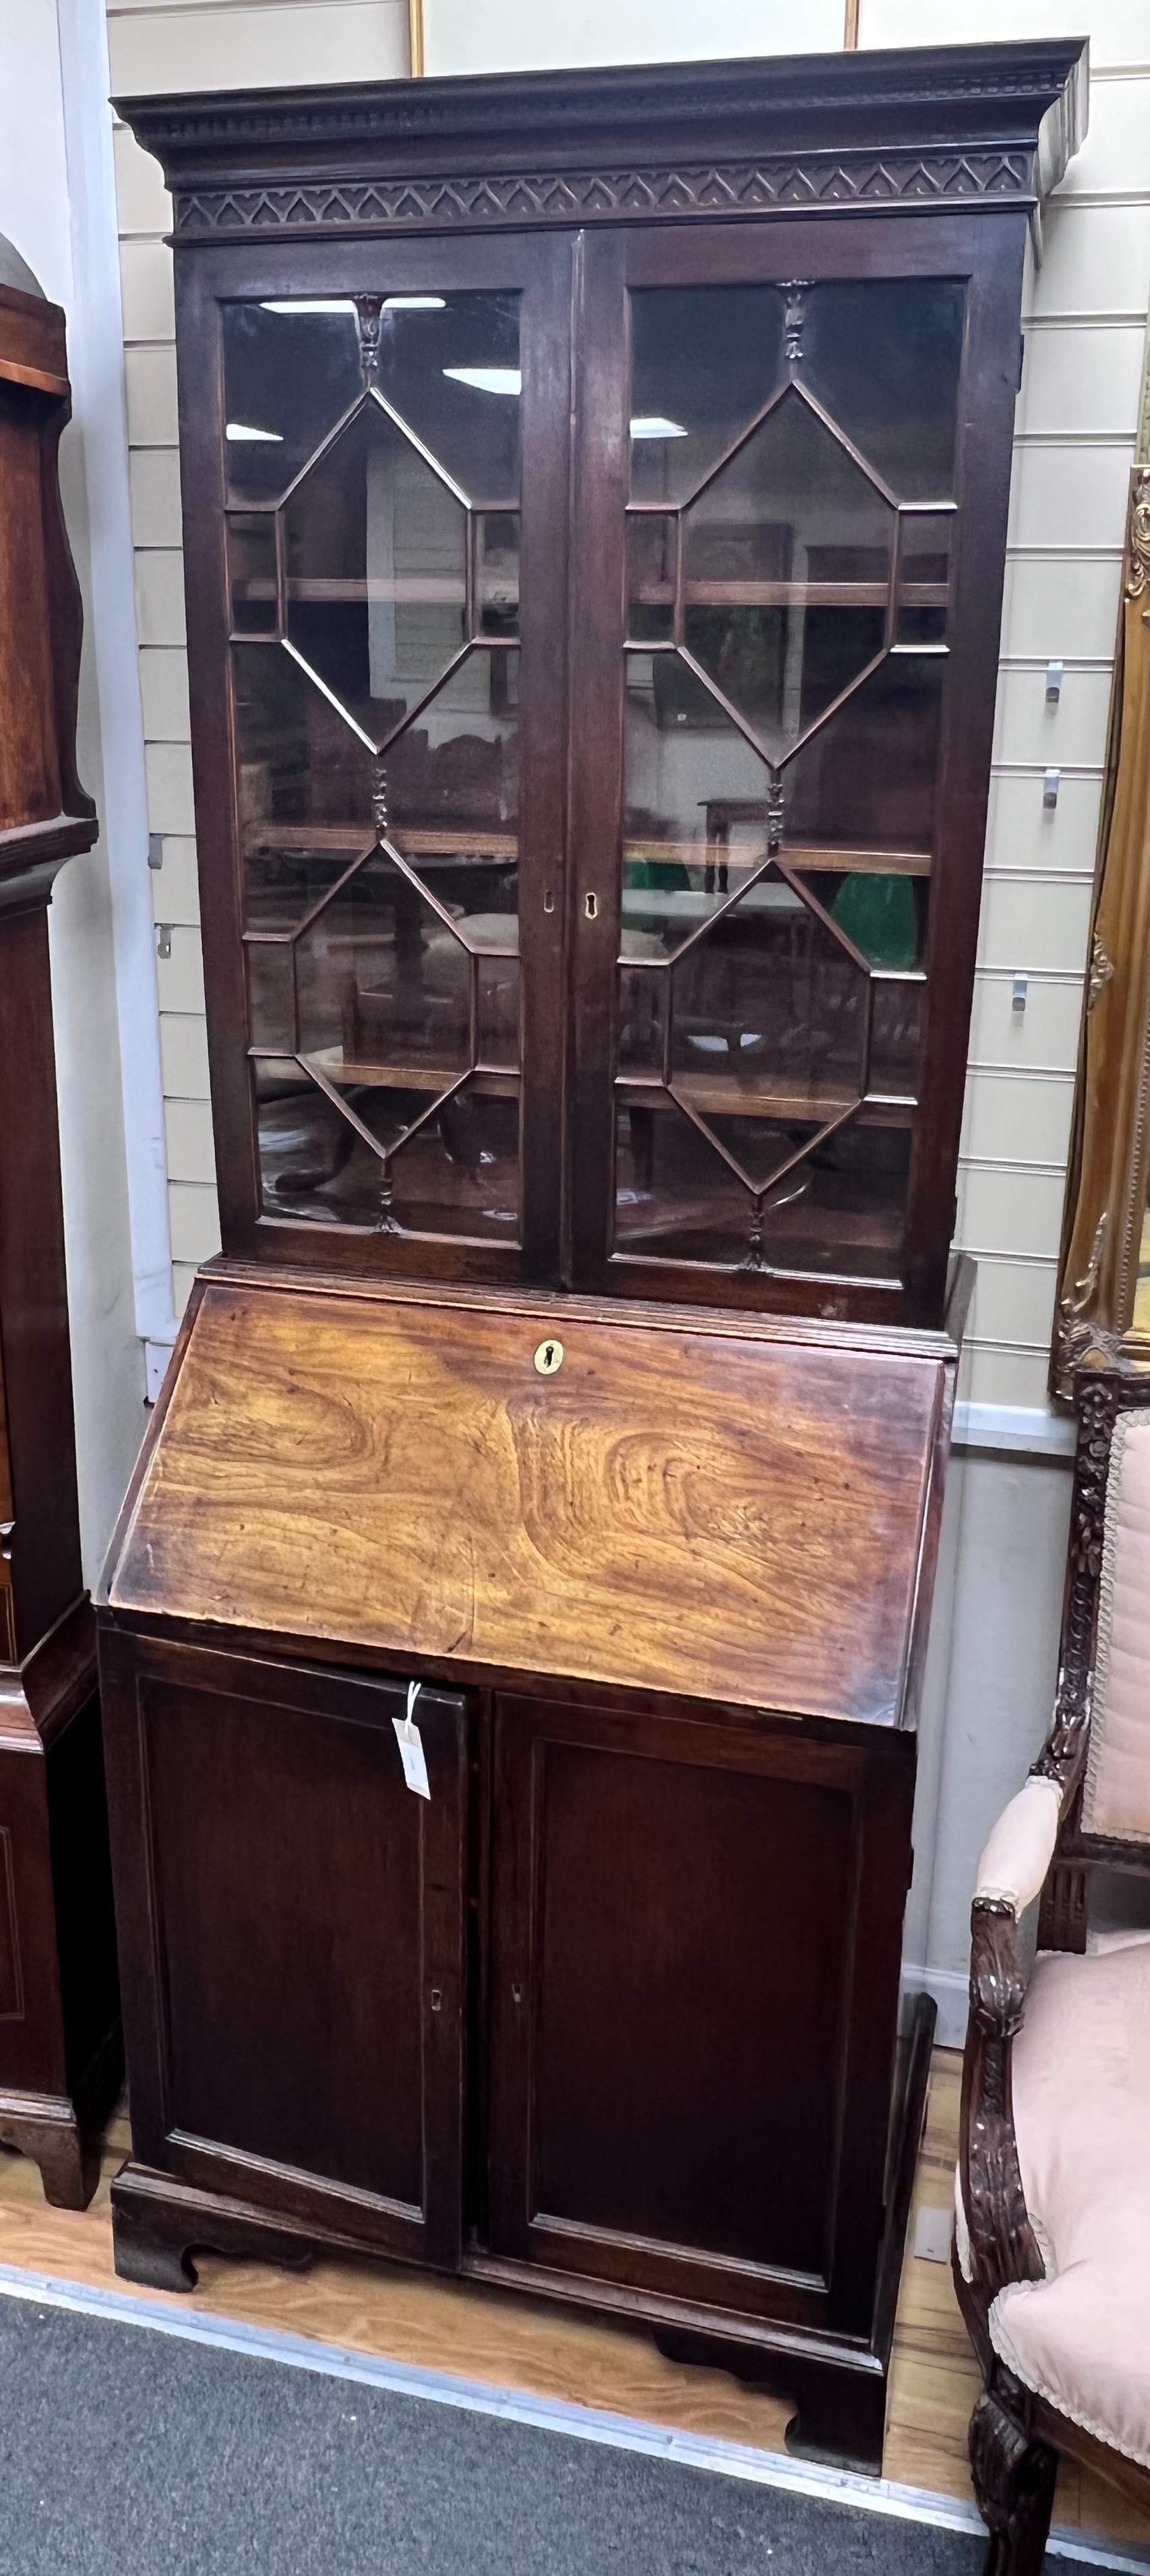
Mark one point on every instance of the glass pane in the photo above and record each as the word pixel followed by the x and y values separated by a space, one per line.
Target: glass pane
pixel 376 567
pixel 651 552
pixel 384 986
pixel 288 377
pixel 271 994
pixel 305 785
pixel 924 578
pixel 769 1022
pixel 643 993
pixel 897 1030
pixel 705 359
pixel 851 1217
pixel 452 789
pixel 497 992
pixel 882 912
pixel 450 365
pixel 695 806
pixel 866 780
pixel 460 1173
pixel 675 1198
pixel 252 574
pixel 497 572
pixel 839 1212
pixel 312 1164
pixel 787 560
pixel 884 357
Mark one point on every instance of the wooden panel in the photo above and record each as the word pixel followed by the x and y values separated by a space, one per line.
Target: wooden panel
pixel 680 1913
pixel 307 1935
pixel 11 1986
pixel 665 1977
pixel 32 342
pixel 729 1514
pixel 29 774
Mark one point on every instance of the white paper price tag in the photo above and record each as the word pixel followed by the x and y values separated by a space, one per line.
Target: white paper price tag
pixel 410 1744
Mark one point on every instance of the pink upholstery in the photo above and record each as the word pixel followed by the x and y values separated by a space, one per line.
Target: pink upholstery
pixel 1116 1799
pixel 1081 2338
pixel 1021 1847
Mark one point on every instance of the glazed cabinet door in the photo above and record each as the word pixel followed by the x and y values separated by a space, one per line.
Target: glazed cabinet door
pixel 375 478
pixel 791 485
pixel 291 1921
pixel 695 1957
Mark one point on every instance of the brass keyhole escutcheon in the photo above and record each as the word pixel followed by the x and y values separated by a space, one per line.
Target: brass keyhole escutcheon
pixel 548 1358
pixel 592 907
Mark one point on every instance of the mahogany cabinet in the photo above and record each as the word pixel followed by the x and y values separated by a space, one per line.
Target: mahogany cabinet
pixel 595 505
pixel 59 2017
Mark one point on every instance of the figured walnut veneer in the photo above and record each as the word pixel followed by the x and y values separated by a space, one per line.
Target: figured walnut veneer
pixel 730 1517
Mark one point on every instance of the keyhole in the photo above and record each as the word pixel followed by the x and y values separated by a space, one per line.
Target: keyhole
pixel 592 907
pixel 548 901
pixel 548 1358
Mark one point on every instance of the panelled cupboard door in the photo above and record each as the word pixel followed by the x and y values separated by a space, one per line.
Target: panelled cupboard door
pixel 790 488
pixel 375 483
pixel 292 1927
pixel 695 1957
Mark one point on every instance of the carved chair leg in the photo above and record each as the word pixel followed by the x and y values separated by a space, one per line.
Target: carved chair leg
pixel 1013 2479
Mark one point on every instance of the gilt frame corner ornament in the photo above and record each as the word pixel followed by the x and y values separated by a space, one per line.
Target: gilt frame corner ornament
pixel 1096 1317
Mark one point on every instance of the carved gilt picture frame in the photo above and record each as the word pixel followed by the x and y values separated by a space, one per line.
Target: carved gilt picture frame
pixel 1102 1310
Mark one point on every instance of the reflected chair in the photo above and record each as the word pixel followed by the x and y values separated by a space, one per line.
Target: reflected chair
pixel 1052 2237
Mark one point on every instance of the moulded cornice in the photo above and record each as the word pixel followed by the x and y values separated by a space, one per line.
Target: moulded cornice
pixel 754 136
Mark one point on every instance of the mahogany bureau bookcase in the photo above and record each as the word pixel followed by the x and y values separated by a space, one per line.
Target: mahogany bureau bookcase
pixel 60 2059
pixel 595 504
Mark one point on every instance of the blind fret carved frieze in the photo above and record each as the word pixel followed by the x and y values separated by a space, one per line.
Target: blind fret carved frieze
pixel 606 195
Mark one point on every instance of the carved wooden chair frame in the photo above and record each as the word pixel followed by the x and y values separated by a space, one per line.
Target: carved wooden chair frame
pixel 1015 2435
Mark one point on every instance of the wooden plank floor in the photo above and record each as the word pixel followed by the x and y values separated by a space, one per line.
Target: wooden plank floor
pixel 525 2343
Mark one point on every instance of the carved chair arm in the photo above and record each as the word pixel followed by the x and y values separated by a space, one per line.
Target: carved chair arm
pixel 1002 2244
pixel 1021 1846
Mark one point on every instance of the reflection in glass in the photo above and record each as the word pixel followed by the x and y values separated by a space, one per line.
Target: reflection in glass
pixel 651 555
pixel 497 572
pixel 451 786
pixel 881 911
pixel 866 780
pixel 304 789
pixel 898 1027
pixel 884 357
pixel 840 1210
pixel 787 560
pixel 403 1159
pixel 695 806
pixel 705 359
pixel 425 360
pixel 271 993
pixel 384 986
pixel 292 368
pixel 376 573
pixel 769 1015
pixel 924 578
pixel 251 543
pixel 291 376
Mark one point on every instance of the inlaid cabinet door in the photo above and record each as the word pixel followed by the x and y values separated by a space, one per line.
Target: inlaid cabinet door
pixel 694 1973
pixel 784 447
pixel 292 1929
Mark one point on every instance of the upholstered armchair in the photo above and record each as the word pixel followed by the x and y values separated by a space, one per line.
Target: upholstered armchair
pixel 1052 2236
